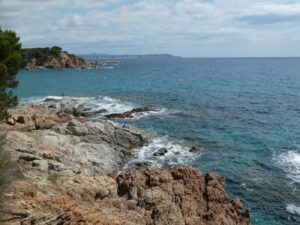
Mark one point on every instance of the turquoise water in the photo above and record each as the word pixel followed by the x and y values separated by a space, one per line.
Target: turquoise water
pixel 244 113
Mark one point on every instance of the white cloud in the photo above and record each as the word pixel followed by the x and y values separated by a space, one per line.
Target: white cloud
pixel 184 27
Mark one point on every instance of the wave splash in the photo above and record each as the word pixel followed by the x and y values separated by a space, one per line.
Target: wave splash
pixel 112 105
pixel 175 153
pixel 290 162
pixel 293 209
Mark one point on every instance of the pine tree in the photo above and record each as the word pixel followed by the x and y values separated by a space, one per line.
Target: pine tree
pixel 10 58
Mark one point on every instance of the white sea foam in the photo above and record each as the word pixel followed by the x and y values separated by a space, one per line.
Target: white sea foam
pixel 177 153
pixel 290 162
pixel 162 111
pixel 112 105
pixel 38 99
pixel 293 209
pixel 107 67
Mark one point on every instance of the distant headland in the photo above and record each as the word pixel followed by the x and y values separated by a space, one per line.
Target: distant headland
pixel 50 58
pixel 56 58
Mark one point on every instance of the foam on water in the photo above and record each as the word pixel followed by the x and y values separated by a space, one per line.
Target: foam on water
pixel 38 99
pixel 290 162
pixel 293 209
pixel 177 153
pixel 112 105
pixel 107 67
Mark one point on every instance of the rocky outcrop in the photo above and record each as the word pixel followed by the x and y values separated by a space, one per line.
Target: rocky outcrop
pixel 54 58
pixel 146 196
pixel 68 170
pixel 129 114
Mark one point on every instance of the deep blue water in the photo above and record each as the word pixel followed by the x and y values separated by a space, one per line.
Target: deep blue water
pixel 244 113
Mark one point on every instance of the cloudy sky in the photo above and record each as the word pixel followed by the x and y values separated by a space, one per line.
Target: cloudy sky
pixel 194 28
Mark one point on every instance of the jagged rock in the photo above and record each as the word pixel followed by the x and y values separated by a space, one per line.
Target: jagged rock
pixel 181 195
pixel 129 114
pixel 68 173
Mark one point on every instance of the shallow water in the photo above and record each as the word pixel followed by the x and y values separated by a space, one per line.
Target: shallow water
pixel 244 113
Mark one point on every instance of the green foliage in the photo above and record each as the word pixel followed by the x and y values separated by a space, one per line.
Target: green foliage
pixel 55 51
pixel 10 58
pixel 41 55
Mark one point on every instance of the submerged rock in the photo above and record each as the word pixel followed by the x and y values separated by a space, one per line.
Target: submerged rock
pixel 195 149
pixel 160 152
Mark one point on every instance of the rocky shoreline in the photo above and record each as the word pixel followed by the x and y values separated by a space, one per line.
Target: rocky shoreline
pixel 69 170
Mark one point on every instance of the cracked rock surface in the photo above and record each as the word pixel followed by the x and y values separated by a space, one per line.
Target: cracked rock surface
pixel 68 170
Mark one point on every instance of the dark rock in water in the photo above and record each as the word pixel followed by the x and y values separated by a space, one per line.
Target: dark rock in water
pixel 86 109
pixel 102 111
pixel 142 109
pixel 129 114
pixel 195 149
pixel 49 99
pixel 81 112
pixel 85 112
pixel 142 164
pixel 116 116
pixel 160 152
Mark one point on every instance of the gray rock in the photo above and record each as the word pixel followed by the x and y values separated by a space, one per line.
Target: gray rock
pixel 11 121
pixel 28 157
pixel 41 164
pixel 56 166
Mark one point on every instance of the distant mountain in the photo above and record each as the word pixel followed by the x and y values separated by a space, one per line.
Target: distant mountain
pixel 95 56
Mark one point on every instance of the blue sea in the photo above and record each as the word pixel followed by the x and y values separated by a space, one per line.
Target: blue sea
pixel 244 113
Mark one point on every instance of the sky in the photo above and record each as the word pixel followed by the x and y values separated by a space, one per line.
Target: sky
pixel 189 28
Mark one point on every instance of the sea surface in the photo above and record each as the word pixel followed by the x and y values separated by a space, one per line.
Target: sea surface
pixel 244 113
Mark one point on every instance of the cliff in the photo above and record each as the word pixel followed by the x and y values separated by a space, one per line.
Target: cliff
pixel 69 170
pixel 51 58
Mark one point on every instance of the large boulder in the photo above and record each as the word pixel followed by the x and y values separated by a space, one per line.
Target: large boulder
pixel 181 196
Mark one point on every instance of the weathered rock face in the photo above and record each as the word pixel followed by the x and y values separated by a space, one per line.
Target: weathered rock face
pixel 147 196
pixel 181 196
pixel 67 173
